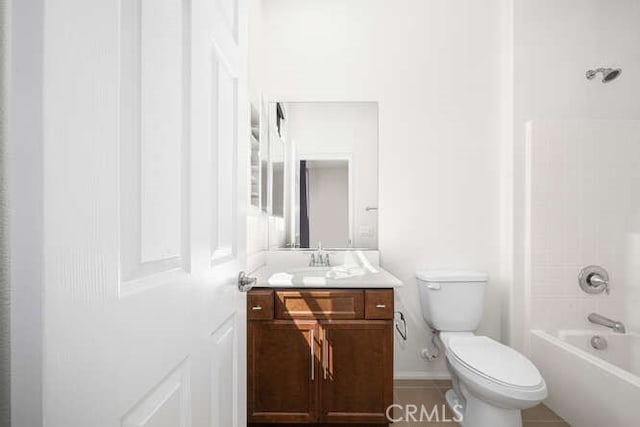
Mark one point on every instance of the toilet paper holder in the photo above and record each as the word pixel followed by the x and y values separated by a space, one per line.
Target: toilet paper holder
pixel 403 331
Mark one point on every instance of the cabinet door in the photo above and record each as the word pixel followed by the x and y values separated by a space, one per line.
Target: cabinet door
pixel 356 371
pixel 283 360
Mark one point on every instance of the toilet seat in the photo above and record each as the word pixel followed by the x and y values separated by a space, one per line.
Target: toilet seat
pixel 490 371
pixel 494 371
pixel 494 361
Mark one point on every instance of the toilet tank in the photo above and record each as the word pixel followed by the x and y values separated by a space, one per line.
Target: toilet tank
pixel 452 300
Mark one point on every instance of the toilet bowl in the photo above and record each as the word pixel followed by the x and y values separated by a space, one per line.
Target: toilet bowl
pixel 492 382
pixel 495 381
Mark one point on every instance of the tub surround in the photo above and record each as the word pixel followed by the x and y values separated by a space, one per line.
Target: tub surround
pixel 580 178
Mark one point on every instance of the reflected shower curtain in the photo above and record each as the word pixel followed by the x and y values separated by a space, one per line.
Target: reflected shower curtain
pixel 304 205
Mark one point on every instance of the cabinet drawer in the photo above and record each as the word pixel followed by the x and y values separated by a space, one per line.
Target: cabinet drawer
pixel 338 304
pixel 260 304
pixel 379 304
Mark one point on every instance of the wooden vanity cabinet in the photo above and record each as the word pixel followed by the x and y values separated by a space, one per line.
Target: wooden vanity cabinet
pixel 282 371
pixel 357 378
pixel 319 356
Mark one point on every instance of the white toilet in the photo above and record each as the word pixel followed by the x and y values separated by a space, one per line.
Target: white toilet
pixel 492 383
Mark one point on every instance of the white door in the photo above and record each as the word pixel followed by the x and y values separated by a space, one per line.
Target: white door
pixel 145 178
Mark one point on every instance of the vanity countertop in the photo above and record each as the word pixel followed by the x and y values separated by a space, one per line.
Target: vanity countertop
pixel 326 277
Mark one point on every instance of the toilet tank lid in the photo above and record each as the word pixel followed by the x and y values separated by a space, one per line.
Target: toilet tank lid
pixel 452 276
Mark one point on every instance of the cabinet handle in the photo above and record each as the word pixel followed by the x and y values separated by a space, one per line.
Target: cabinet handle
pixel 256 308
pixel 313 361
pixel 381 305
pixel 325 353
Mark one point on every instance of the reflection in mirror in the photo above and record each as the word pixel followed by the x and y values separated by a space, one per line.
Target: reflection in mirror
pixel 277 139
pixel 277 177
pixel 324 203
pixel 324 174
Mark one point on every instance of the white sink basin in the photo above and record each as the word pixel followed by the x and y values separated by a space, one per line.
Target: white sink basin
pixel 310 271
pixel 337 272
pixel 341 276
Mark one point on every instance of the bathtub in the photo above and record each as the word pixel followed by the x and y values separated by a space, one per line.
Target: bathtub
pixel 589 387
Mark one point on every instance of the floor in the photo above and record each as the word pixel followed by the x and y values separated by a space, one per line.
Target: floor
pixel 429 393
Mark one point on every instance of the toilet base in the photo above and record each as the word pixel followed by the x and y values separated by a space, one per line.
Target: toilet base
pixel 455 404
pixel 477 413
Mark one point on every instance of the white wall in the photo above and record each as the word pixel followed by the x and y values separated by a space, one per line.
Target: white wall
pixel 556 42
pixel 334 128
pixel 435 68
pixel 258 222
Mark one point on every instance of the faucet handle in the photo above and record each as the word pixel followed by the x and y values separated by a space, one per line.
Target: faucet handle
pixel 594 279
pixel 597 281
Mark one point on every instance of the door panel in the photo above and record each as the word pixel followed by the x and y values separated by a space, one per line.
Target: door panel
pixel 224 111
pixel 154 145
pixel 224 364
pixel 144 105
pixel 166 405
pixel 351 352
pixel 283 371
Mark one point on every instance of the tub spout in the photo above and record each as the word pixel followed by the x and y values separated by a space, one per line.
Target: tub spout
pixel 605 321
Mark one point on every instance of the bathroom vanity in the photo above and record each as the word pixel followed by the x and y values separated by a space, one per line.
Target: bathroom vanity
pixel 320 353
pixel 320 321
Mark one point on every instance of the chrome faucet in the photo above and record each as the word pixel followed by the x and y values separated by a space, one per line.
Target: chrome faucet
pixel 319 257
pixel 605 321
pixel 327 261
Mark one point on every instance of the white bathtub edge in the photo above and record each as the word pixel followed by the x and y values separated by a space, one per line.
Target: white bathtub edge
pixel 609 367
pixel 583 391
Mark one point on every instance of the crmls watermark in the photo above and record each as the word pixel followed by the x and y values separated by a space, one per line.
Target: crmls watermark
pixel 421 414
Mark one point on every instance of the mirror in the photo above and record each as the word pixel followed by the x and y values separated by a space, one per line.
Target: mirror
pixel 323 175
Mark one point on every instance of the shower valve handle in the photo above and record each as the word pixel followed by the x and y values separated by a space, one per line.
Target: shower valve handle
pixel 594 279
pixel 598 282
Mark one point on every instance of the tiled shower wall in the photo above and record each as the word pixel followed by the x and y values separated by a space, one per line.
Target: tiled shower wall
pixel 583 192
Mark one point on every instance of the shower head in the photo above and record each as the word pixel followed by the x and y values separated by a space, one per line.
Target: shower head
pixel 608 74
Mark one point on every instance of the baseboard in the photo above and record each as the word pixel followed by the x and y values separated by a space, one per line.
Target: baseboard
pixel 421 375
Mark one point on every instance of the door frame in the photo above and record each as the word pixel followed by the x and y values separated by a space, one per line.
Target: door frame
pixel 348 157
pixel 23 82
